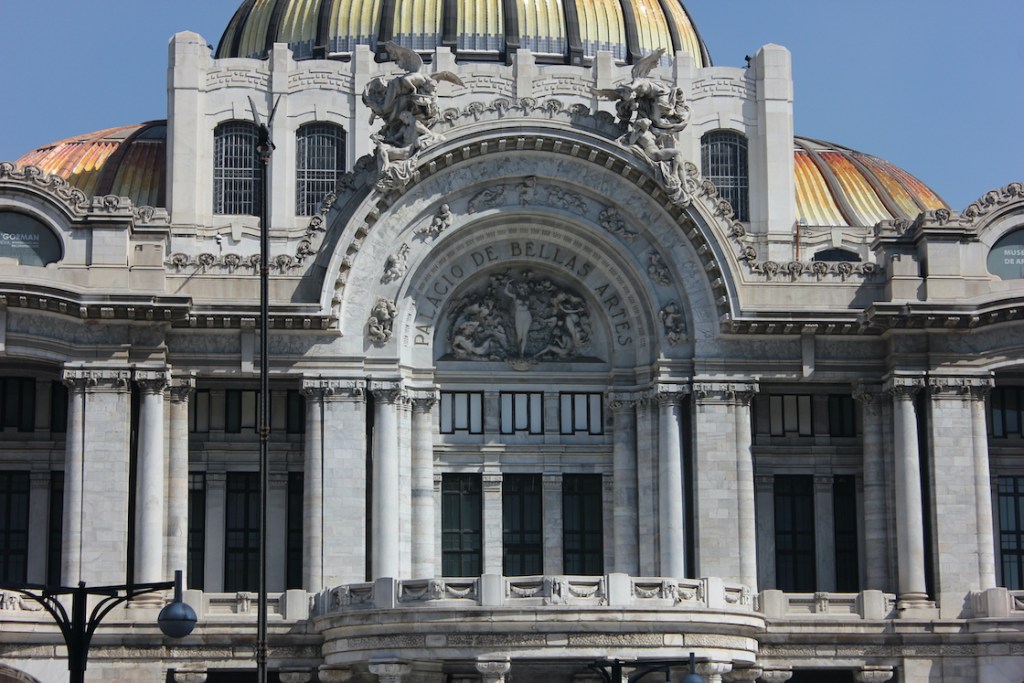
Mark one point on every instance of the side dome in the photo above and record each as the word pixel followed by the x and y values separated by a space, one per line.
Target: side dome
pixel 129 161
pixel 557 31
pixel 837 186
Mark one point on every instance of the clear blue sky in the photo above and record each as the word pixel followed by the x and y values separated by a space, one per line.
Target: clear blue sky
pixel 935 86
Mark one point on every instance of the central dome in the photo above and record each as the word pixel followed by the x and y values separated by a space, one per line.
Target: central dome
pixel 557 31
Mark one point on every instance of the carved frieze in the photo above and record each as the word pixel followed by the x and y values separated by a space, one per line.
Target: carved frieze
pixel 520 319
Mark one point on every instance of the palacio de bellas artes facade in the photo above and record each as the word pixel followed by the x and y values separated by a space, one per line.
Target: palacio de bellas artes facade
pixel 576 354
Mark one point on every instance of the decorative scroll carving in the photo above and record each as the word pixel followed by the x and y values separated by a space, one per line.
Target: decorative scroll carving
pixel 71 197
pixel 382 319
pixel 396 265
pixel 988 203
pixel 519 319
pixel 152 381
pixel 408 106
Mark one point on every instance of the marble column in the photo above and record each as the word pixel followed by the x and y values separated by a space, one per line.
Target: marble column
pixel 764 487
pixel 724 472
pixel 386 509
pixel 875 531
pixel 342 513
pixel 313 489
pixel 213 551
pixel 960 491
pixel 493 526
pixel 825 532
pixel 151 482
pixel 983 484
pixel 39 517
pixel 551 486
pixel 423 562
pixel 177 478
pixel 671 522
pixel 909 521
pixel 747 538
pixel 625 530
pixel 74 474
pixel 96 477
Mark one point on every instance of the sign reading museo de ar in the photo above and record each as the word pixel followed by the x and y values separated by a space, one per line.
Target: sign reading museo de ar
pixel 27 241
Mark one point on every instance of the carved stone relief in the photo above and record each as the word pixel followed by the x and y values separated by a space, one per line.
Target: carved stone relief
pixel 396 265
pixel 381 323
pixel 521 319
pixel 440 222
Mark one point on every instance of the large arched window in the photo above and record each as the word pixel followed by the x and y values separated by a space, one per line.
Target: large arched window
pixel 723 155
pixel 236 169
pixel 319 161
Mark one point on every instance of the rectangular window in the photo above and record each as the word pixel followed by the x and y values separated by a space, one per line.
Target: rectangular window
pixel 293 573
pixel 1011 531
pixel 794 533
pixel 790 414
pixel 522 412
pixel 241 532
pixel 18 403
pixel 196 560
pixel 199 407
pixel 1004 412
pixel 582 524
pixel 58 407
pixel 296 412
pixel 842 413
pixel 523 524
pixel 844 501
pixel 462 411
pixel 580 413
pixel 240 408
pixel 14 488
pixel 461 525
pixel 54 547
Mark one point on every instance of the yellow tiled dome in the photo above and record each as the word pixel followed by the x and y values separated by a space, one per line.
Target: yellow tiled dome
pixel 562 31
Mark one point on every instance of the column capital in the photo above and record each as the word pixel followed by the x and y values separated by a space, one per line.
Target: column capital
pixel 623 401
pixel 870 396
pixel 181 388
pixel 152 380
pixel 750 673
pixel 904 387
pixel 669 394
pixel 823 482
pixel 776 675
pixel 334 389
pixel 714 670
pixel 493 671
pixel 423 400
pixel 491 482
pixel 551 483
pixel 741 391
pixel 764 482
pixel 388 391
pixel 873 674
pixel 964 387
pixel 97 379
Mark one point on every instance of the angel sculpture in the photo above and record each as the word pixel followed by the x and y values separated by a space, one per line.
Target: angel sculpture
pixel 645 98
pixel 408 106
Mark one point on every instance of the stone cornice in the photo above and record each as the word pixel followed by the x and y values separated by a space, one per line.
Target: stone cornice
pixel 904 386
pixel 960 386
pixel 97 379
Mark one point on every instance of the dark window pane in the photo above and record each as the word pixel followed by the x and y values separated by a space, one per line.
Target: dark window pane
pixel 523 541
pixel 1011 531
pixel 58 407
pixel 319 162
pixel 14 491
pixel 582 524
pixel 56 526
pixel 241 547
pixel 461 525
pixel 237 175
pixel 795 569
pixel 196 569
pixel 844 492
pixel 724 162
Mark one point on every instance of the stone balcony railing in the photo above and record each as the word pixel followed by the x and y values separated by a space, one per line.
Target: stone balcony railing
pixel 998 603
pixel 492 590
pixel 870 605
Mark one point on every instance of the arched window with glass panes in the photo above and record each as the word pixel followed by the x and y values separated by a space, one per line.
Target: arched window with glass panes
pixel 319 161
pixel 237 176
pixel 723 155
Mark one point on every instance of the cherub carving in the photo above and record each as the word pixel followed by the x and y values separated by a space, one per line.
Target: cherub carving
pixel 396 265
pixel 408 106
pixel 381 323
pixel 439 223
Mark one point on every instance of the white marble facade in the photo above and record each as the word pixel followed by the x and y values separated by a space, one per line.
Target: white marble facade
pixel 526 250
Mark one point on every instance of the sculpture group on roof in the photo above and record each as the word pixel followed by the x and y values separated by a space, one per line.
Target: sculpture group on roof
pixel 408 105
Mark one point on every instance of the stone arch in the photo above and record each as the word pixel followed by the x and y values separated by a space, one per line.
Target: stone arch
pixel 698 221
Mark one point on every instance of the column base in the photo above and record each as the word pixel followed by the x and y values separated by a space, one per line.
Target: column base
pixel 916 606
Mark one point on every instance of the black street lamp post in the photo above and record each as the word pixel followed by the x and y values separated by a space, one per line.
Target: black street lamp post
pixel 610 670
pixel 79 627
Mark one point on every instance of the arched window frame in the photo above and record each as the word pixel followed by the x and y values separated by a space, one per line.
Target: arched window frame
pixel 237 175
pixel 319 162
pixel 724 161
